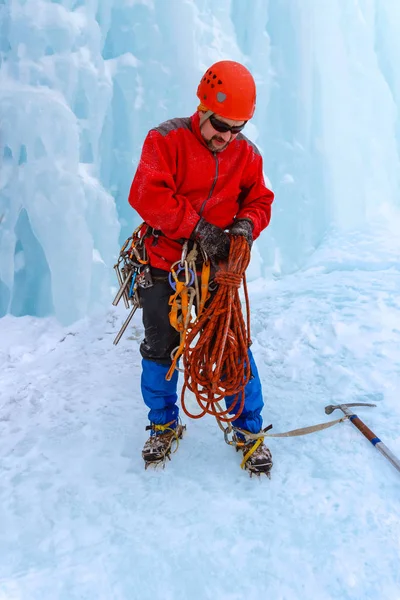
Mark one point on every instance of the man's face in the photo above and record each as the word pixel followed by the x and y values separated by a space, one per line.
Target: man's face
pixel 216 140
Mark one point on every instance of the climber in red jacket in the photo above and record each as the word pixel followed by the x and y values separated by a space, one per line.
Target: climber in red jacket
pixel 198 178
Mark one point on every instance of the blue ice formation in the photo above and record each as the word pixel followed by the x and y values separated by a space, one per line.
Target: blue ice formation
pixel 81 82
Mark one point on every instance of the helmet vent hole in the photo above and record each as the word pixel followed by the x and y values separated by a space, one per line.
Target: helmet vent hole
pixel 208 81
pixel 219 82
pixel 214 76
pixel 210 72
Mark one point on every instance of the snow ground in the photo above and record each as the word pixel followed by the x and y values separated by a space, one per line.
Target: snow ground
pixel 82 519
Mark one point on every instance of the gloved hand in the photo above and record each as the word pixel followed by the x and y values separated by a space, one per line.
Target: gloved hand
pixel 243 227
pixel 213 240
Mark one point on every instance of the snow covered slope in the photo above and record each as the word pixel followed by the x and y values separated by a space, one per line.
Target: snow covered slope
pixel 82 519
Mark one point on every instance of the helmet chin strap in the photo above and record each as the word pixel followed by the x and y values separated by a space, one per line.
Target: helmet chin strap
pixel 205 116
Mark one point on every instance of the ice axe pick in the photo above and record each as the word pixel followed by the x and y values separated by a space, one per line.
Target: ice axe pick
pixel 370 435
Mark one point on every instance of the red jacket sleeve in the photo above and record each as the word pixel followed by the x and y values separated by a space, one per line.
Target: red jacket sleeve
pixel 153 191
pixel 255 199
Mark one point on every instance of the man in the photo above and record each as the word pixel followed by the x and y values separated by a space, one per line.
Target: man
pixel 198 177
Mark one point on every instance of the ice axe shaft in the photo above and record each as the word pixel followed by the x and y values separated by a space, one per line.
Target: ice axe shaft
pixel 366 431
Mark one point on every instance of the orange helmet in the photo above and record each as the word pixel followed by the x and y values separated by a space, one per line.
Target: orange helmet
pixel 228 89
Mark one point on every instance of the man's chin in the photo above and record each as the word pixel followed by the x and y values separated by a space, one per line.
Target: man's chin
pixel 217 147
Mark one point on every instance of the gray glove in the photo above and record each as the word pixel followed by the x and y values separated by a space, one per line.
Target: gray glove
pixel 243 227
pixel 213 240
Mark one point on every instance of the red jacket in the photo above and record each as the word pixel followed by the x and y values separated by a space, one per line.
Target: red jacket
pixel 179 179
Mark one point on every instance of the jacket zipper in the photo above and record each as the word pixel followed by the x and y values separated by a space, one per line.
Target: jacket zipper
pixel 213 184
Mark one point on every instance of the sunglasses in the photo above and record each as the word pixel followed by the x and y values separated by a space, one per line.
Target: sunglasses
pixel 222 127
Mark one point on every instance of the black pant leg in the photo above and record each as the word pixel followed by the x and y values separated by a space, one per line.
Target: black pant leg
pixel 160 337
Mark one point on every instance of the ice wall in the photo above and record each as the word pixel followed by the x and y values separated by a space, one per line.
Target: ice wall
pixel 60 227
pixel 82 82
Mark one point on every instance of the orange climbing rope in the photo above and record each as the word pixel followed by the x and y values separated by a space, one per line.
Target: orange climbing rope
pixel 216 364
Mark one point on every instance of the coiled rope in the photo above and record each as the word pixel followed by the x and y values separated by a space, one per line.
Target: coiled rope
pixel 216 365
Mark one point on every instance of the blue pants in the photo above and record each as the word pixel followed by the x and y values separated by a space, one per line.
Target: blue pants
pixel 161 397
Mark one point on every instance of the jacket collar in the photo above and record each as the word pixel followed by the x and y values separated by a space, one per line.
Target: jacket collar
pixel 195 120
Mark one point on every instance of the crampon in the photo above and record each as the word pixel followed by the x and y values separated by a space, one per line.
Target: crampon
pixel 257 457
pixel 158 448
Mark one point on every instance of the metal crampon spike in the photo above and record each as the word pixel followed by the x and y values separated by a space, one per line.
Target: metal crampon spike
pixel 258 473
pixel 155 464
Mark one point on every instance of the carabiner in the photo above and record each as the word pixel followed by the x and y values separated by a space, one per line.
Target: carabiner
pixel 137 256
pixel 173 276
pixel 131 289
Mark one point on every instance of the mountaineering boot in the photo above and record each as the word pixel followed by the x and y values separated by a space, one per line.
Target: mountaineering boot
pixel 259 461
pixel 257 457
pixel 158 447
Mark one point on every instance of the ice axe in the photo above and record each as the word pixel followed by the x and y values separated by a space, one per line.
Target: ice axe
pixel 370 435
